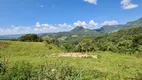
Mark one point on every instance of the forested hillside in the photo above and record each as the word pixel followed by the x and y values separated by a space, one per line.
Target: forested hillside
pixel 122 41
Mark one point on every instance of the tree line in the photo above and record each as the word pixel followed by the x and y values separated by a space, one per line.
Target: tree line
pixel 122 41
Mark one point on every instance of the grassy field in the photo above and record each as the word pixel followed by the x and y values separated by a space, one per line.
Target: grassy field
pixel 112 66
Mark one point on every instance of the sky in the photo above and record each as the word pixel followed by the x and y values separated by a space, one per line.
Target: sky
pixel 45 16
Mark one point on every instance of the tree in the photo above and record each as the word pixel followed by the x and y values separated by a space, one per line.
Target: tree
pixel 125 46
pixel 68 47
pixel 137 43
pixel 137 40
pixel 30 38
pixel 51 41
pixel 86 45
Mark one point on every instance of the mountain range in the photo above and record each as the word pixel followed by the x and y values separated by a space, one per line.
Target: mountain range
pixel 79 31
pixel 107 28
pixel 7 37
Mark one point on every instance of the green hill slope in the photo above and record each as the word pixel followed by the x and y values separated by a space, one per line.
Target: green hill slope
pixel 28 49
pixel 136 22
pixel 113 28
pixel 122 41
pixel 78 32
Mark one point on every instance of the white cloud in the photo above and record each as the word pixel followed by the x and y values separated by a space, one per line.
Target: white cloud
pixel 44 27
pixel 38 24
pixel 80 23
pixel 91 1
pixel 52 28
pixel 16 30
pixel 92 23
pixel 126 4
pixel 1 30
pixel 110 23
pixel 20 28
pixel 64 25
pixel 36 29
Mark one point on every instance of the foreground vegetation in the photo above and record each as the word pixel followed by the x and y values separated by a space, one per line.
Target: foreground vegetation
pixel 30 57
pixel 37 61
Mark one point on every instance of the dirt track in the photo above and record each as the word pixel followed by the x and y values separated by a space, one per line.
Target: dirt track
pixel 77 55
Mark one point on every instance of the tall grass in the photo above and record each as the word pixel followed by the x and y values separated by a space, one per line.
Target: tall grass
pixel 28 49
pixel 24 70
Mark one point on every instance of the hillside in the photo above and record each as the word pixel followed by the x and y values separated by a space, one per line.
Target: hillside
pixel 107 28
pixel 130 32
pixel 77 29
pixel 127 40
pixel 4 37
pixel 78 32
pixel 136 22
pixel 27 48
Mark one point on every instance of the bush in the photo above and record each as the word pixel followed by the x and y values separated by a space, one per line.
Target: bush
pixel 14 39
